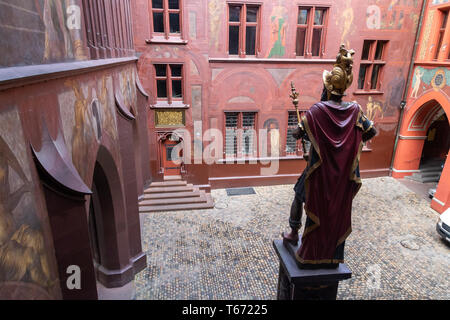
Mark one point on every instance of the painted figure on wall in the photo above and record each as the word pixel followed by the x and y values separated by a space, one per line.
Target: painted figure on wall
pixel 108 107
pixel 215 17
pixel 273 137
pixel 373 109
pixel 128 90
pixel 337 131
pixel 57 38
pixel 278 23
pixel 83 130
pixel 23 256
pixel 93 117
pixel 425 79
pixel 346 22
pixel 418 74
pixel 391 15
pixel 60 42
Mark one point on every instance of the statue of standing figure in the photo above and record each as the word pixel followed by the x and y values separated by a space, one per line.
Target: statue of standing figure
pixel 335 132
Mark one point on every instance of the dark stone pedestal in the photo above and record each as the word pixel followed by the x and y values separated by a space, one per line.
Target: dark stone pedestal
pixel 299 284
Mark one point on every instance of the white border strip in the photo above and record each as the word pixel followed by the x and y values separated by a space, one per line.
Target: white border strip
pixel 439 201
pixel 405 171
pixel 413 137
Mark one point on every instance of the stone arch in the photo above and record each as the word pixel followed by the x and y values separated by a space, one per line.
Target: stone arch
pixel 423 106
pixel 107 202
pixel 413 133
pixel 267 88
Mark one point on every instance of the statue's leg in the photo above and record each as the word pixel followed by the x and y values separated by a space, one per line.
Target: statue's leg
pixel 295 219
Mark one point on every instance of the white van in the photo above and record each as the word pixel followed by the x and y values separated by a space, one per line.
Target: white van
pixel 443 225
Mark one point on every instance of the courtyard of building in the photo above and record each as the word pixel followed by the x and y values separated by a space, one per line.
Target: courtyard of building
pixel 226 253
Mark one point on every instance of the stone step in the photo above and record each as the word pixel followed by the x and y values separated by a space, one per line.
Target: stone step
pixel 423 180
pixel 187 188
pixel 196 198
pixel 430 168
pixel 172 178
pixel 427 174
pixel 430 179
pixel 168 184
pixel 209 204
pixel 171 195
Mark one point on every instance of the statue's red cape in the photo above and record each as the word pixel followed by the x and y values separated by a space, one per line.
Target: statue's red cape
pixel 332 180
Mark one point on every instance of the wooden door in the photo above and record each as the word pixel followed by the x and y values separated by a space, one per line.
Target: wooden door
pixel 171 159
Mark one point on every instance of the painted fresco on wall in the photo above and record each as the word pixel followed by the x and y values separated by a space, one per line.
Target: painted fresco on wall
pixel 425 79
pixel 38 32
pixel 345 22
pixel 23 258
pixel 374 109
pixel 215 8
pixel 396 89
pixel 391 15
pixel 83 132
pixel 93 116
pixel 426 38
pixel 278 23
pixel 165 52
pixel 62 20
pixel 273 136
pixel 128 89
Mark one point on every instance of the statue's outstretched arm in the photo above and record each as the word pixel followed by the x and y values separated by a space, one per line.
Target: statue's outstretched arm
pixel 372 132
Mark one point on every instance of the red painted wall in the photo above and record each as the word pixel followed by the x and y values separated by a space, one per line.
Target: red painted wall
pixel 262 83
pixel 428 99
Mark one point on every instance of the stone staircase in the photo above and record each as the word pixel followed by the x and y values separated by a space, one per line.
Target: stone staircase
pixel 429 172
pixel 174 195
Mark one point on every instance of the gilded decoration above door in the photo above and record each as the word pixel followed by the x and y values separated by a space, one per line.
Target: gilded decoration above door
pixel 170 118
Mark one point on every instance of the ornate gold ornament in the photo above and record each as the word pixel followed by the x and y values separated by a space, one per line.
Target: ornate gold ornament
pixel 294 96
pixel 169 118
pixel 341 77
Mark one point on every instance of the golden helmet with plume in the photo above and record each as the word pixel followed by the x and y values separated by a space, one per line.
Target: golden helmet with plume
pixel 340 78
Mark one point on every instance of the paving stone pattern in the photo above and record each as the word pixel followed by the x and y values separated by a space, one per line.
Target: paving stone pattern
pixel 226 253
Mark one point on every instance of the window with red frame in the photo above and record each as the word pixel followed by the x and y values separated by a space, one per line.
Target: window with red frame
pixel 169 81
pixel 372 64
pixel 441 34
pixel 243 29
pixel 166 17
pixel 240 134
pixel 311 29
pixel 292 144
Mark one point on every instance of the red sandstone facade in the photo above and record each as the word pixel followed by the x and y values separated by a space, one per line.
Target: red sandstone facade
pixel 91 92
pixel 73 148
pixel 217 82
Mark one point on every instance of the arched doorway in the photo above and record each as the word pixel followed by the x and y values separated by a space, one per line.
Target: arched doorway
pixel 423 145
pixel 437 142
pixel 108 232
pixel 94 236
pixel 171 154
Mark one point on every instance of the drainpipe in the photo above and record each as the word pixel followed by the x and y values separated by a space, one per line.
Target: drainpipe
pixel 405 93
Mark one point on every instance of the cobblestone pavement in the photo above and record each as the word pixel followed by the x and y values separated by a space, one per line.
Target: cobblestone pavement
pixel 226 253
